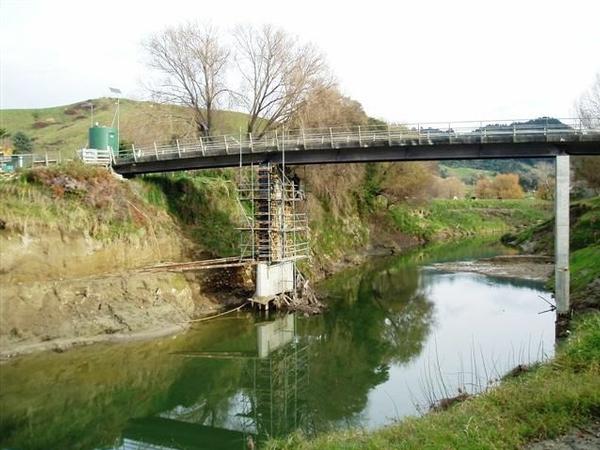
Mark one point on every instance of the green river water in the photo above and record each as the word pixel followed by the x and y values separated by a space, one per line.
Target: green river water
pixel 396 337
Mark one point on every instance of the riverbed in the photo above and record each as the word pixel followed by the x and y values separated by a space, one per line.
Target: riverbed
pixel 396 338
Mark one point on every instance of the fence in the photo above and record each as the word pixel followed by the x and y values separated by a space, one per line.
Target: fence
pixel 96 157
pixel 11 163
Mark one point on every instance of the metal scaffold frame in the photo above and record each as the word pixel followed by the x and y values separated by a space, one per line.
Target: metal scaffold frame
pixel 274 229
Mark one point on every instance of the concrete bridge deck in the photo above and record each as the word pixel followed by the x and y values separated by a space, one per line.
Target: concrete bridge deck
pixel 418 142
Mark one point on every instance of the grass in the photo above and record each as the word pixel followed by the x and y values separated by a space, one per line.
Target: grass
pixel 585 229
pixel 204 204
pixel 543 403
pixel 76 198
pixel 585 267
pixel 585 248
pixel 442 218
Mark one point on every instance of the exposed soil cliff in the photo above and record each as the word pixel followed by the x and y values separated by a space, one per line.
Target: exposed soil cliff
pixel 69 265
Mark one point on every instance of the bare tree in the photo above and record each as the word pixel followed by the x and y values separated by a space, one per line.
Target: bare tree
pixel 588 105
pixel 193 64
pixel 544 176
pixel 277 72
pixel 587 168
pixel 328 107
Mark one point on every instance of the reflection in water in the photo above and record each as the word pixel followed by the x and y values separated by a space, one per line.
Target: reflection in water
pixel 268 400
pixel 246 378
pixel 376 317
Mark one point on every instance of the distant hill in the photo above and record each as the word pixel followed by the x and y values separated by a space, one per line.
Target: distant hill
pixel 66 127
pixel 470 170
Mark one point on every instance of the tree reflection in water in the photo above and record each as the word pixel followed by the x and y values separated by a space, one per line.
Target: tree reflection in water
pixel 376 317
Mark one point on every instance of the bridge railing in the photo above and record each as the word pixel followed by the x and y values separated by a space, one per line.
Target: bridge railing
pixel 433 133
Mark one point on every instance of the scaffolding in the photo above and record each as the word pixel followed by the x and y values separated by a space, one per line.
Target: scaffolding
pixel 276 230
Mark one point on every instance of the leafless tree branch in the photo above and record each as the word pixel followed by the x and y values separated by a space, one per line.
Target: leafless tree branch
pixel 277 73
pixel 588 106
pixel 192 64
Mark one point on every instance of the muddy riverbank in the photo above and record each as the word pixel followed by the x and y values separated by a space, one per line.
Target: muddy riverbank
pixel 57 315
pixel 529 267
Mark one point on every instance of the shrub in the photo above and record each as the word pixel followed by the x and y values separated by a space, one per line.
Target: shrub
pixel 22 143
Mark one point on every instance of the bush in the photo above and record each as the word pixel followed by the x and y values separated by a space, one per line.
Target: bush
pixel 502 186
pixel 22 143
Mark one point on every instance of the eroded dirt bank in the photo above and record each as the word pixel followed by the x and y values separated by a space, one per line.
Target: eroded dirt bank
pixel 53 297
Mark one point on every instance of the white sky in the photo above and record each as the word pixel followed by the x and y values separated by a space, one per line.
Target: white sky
pixel 419 60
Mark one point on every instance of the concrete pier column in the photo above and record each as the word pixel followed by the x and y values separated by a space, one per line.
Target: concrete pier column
pixel 273 279
pixel 561 244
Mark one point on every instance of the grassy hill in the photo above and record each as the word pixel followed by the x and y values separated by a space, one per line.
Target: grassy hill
pixel 66 127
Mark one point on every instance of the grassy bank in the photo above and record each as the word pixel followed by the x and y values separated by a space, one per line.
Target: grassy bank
pixel 204 205
pixel 585 249
pixel 542 403
pixel 74 198
pixel 77 198
pixel 457 218
pixel 397 227
pixel 204 208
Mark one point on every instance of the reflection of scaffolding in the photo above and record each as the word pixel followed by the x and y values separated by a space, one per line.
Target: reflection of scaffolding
pixel 277 391
pixel 270 399
pixel 278 231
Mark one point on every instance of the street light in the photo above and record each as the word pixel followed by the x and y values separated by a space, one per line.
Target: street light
pixel 117 113
pixel 91 106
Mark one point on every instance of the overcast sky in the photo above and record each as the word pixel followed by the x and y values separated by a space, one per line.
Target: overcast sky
pixel 403 60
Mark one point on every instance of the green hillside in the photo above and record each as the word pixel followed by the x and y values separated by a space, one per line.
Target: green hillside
pixel 66 127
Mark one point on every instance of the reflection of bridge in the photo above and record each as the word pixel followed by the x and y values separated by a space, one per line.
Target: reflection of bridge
pixel 270 402
pixel 540 138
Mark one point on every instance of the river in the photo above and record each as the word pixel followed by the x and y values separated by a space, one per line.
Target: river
pixel 397 336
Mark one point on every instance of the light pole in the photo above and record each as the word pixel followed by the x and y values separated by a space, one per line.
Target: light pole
pixel 117 114
pixel 91 106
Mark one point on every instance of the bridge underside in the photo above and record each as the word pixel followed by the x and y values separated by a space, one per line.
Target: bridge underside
pixel 300 156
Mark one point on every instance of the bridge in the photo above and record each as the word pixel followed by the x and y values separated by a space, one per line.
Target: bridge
pixel 408 142
pixel 275 232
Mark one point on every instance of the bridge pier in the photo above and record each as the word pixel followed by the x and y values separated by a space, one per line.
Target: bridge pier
pixel 278 231
pixel 273 279
pixel 561 244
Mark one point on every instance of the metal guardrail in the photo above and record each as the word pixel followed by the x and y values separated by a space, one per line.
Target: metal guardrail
pixel 434 133
pixel 28 160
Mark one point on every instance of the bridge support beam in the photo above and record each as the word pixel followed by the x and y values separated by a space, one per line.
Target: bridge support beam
pixel 561 244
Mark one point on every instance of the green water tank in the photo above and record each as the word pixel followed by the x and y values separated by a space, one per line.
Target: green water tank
pixel 103 138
